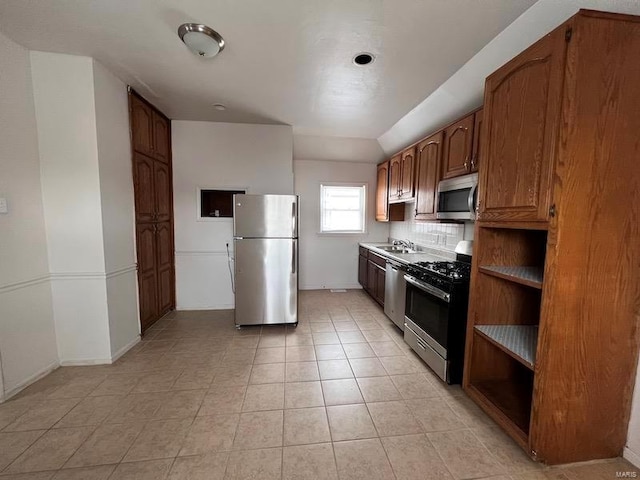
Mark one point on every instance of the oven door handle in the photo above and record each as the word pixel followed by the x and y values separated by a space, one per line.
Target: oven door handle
pixel 425 287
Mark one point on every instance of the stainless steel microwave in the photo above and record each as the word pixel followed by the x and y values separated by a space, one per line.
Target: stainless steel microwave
pixel 457 198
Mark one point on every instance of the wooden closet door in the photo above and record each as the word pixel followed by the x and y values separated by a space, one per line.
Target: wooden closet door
pixel 521 119
pixel 141 126
pixel 164 248
pixel 429 156
pixel 147 273
pixel 163 188
pixel 144 192
pixel 161 141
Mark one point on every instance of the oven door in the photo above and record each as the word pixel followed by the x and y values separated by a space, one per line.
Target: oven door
pixel 457 198
pixel 428 308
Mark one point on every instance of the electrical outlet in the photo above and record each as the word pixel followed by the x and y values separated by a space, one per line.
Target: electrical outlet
pixel 4 208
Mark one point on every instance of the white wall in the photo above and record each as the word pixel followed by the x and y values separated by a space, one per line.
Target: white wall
pixel 117 205
pixel 27 334
pixel 331 261
pixel 218 155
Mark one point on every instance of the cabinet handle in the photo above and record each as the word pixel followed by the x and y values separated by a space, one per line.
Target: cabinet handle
pixel 474 161
pixel 466 163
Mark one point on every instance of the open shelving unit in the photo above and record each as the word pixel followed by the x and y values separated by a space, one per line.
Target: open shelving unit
pixel 505 323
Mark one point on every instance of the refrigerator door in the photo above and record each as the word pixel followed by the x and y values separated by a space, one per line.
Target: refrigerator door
pixel 266 280
pixel 265 216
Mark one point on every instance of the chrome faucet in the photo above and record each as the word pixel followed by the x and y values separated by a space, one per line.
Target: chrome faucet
pixel 405 243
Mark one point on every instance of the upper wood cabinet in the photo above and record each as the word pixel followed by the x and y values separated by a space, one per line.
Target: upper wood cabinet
pixel 385 211
pixel 477 130
pixel 521 115
pixel 428 174
pixel 458 145
pixel 142 117
pixel 382 193
pixel 401 168
pixel 395 177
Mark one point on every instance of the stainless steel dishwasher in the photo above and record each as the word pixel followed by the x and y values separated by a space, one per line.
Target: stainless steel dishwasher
pixel 394 293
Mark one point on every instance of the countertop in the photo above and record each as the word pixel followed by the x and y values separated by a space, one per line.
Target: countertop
pixel 407 258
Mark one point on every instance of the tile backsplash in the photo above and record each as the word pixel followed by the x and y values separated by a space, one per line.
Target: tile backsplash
pixel 443 236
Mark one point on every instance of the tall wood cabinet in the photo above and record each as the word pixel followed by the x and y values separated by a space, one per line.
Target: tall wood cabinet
pixel 552 340
pixel 152 176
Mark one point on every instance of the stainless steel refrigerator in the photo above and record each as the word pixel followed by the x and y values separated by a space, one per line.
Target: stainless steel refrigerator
pixel 265 241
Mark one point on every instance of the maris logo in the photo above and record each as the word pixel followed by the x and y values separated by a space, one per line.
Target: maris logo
pixel 626 474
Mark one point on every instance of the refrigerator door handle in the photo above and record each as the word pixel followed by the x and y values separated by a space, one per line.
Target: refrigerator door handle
pixel 294 219
pixel 293 258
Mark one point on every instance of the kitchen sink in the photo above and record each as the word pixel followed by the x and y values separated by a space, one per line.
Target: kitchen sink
pixel 396 249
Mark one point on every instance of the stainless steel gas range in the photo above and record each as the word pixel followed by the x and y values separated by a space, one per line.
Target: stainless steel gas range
pixel 437 297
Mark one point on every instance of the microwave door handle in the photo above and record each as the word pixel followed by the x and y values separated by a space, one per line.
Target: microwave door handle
pixel 470 202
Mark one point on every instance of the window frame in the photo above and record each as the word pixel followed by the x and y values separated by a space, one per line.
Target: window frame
pixel 365 198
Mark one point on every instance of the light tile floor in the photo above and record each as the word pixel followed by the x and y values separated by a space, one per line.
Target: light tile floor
pixel 339 397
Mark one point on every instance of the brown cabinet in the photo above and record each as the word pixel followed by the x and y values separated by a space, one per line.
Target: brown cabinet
pixel 552 341
pixel 395 177
pixel 406 173
pixel 153 192
pixel 384 210
pixel 458 145
pixel 428 174
pixel 372 273
pixel 477 130
pixel 521 118
pixel 401 167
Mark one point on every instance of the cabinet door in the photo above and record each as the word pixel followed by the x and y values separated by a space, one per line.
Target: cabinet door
pixel 141 126
pixel 380 284
pixel 372 278
pixel 406 177
pixel 362 271
pixel 521 115
pixel 382 193
pixel 162 187
pixel 164 255
pixel 395 175
pixel 144 192
pixel 161 141
pixel 458 141
pixel 429 156
pixel 147 273
pixel 475 151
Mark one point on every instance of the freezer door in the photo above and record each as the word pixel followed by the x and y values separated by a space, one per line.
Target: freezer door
pixel 265 216
pixel 266 281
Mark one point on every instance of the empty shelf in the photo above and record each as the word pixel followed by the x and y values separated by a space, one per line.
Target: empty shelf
pixel 519 341
pixel 530 276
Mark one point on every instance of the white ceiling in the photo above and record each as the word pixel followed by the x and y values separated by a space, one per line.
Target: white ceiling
pixel 286 61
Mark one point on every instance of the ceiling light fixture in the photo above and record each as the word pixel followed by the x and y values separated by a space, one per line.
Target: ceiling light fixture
pixel 201 40
pixel 363 58
pixel 219 106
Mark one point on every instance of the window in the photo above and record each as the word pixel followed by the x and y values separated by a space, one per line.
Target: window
pixel 342 208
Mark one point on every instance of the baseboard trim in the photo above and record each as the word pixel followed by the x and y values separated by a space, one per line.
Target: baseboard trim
pixel 224 306
pixel 81 362
pixel 125 349
pixel 350 286
pixel 632 457
pixel 29 381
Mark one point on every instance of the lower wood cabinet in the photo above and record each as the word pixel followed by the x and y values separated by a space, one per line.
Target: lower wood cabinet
pixel 371 274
